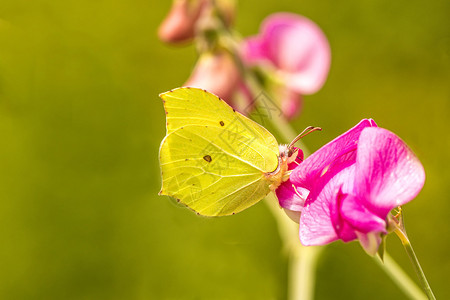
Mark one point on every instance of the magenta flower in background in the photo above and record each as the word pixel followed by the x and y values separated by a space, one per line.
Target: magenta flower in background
pixel 298 51
pixel 349 186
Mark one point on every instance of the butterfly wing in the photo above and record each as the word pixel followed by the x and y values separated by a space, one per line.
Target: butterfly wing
pixel 213 159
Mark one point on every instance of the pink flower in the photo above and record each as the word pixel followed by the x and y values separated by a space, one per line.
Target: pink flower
pixel 298 51
pixel 350 185
pixel 180 23
pixel 185 16
pixel 218 73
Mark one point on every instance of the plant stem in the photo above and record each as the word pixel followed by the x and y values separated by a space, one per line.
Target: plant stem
pixel 415 262
pixel 399 277
pixel 302 275
pixel 302 260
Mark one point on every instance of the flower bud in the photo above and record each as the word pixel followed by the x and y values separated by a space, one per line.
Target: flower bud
pixel 186 17
pixel 179 25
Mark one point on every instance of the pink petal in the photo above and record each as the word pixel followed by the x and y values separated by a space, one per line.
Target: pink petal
pixel 182 22
pixel 253 51
pixel 369 241
pixel 297 47
pixel 332 157
pixel 343 228
pixel 388 173
pixel 285 36
pixel 298 159
pixel 359 217
pixel 319 222
pixel 290 197
pixel 316 227
pixel 179 24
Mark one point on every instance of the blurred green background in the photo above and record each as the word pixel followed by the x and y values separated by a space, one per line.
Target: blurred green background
pixel 81 124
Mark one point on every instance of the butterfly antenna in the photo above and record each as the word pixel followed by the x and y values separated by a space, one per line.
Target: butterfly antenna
pixel 304 133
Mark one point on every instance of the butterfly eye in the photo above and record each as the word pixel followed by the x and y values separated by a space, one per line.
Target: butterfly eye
pixel 290 152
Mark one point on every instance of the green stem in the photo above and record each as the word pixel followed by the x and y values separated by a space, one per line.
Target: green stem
pixel 399 277
pixel 302 260
pixel 303 272
pixel 415 262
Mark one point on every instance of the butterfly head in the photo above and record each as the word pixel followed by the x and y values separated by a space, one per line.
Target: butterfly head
pixel 288 154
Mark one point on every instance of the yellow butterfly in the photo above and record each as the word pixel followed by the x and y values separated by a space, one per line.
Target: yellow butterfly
pixel 215 160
